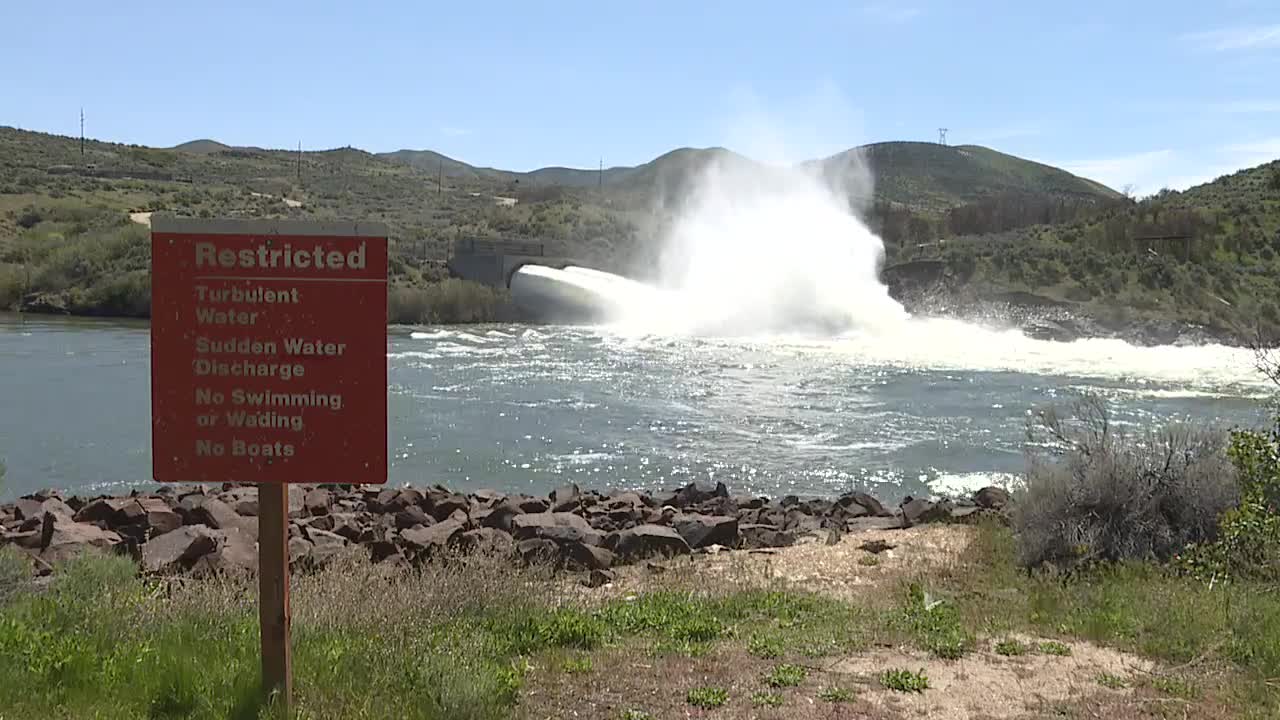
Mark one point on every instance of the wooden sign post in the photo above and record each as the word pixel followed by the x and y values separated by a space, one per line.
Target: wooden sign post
pixel 269 366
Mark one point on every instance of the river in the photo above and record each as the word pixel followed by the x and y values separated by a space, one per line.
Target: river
pixel 940 407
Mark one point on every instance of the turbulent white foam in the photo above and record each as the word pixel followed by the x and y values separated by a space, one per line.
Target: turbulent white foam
pixel 769 256
pixel 958 484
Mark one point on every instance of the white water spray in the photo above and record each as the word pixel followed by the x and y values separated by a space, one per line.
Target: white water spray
pixel 758 251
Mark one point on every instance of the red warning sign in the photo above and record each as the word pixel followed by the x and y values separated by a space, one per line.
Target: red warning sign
pixel 268 351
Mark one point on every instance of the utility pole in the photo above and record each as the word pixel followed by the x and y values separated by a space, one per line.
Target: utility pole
pixel 942 136
pixel 600 175
pixel 82 132
pixel 299 161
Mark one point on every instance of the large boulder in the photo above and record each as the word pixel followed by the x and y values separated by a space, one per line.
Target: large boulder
pixel 581 556
pixel 992 498
pixel 325 546
pixel 413 515
pixel 348 525
pixel 699 491
pixel 500 514
pixel 799 522
pixel 870 524
pixel 178 550
pixel 441 503
pixel 558 527
pixel 426 541
pixel 317 501
pixel 236 554
pixel 538 551
pixel 61 538
pixel 484 539
pixel 757 535
pixel 158 515
pixel 916 511
pixel 532 504
pixel 34 507
pixel 565 499
pixel 487 498
pixel 107 512
pixel 214 513
pixel 703 530
pixel 244 500
pixel 645 541
pixel 869 504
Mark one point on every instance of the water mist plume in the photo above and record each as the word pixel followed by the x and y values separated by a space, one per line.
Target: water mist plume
pixel 756 248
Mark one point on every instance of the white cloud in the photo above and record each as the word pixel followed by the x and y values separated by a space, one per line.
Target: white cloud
pixel 1240 38
pixel 1139 170
pixel 1149 172
pixel 890 13
pixel 450 131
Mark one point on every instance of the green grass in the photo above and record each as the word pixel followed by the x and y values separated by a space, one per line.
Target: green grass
pixel 1011 648
pixel 577 665
pixel 765 698
pixel 786 675
pixel 837 695
pixel 936 625
pixel 707 698
pixel 868 560
pixel 1053 647
pixel 766 647
pixel 635 715
pixel 103 642
pixel 1177 687
pixel 906 681
pixel 1110 681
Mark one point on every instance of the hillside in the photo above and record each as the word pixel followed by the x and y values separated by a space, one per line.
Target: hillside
pixel 1209 256
pixel 932 176
pixel 434 163
pixel 995 224
pixel 201 147
pixel 915 175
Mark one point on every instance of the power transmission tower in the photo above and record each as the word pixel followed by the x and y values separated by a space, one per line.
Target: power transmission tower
pixel 942 136
pixel 81 132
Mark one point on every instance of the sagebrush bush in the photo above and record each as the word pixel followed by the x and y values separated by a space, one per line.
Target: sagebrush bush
pixel 448 301
pixel 1248 542
pixel 1100 494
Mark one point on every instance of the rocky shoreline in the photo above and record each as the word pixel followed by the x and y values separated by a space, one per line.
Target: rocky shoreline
pixel 200 530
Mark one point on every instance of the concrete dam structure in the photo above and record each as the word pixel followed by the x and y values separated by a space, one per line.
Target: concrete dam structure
pixel 544 288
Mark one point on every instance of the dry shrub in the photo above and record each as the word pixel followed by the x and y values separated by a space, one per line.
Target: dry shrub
pixel 449 301
pixel 1100 494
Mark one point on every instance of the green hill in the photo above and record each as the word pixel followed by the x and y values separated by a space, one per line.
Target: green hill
pixel 201 147
pixel 929 176
pixel 997 224
pixel 433 163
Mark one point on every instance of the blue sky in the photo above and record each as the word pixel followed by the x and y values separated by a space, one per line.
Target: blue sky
pixel 1143 93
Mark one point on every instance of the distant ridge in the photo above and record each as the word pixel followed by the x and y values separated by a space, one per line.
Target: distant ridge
pixel 915 174
pixel 201 147
pixel 921 175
